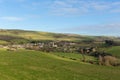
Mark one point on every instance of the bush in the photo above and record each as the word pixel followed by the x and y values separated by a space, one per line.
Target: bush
pixel 108 60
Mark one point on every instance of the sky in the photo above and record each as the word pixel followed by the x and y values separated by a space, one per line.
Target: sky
pixel 84 17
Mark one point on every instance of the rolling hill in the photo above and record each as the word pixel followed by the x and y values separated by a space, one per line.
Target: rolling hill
pixel 7 35
pixel 36 65
pixel 24 64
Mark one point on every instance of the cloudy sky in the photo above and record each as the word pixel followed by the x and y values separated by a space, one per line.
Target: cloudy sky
pixel 86 17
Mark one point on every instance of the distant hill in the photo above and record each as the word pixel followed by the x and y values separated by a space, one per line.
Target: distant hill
pixel 12 34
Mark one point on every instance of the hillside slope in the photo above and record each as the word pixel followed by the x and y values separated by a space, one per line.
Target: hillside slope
pixel 35 65
pixel 39 35
pixel 36 35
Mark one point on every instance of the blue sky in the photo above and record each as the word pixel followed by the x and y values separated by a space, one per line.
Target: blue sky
pixel 86 17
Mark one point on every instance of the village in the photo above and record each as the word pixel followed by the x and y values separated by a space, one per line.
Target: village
pixel 51 46
pixel 67 47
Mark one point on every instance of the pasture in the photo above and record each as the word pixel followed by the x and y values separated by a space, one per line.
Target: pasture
pixel 36 65
pixel 74 56
pixel 115 50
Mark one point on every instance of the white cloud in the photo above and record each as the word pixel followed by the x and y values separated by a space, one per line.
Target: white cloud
pixel 68 7
pixel 100 6
pixel 11 18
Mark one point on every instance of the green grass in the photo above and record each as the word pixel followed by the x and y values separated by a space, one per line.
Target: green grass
pixel 2 42
pixel 115 50
pixel 37 35
pixel 35 65
pixel 75 56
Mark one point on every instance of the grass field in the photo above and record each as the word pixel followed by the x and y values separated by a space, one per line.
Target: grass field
pixel 3 42
pixel 38 35
pixel 35 65
pixel 114 50
pixel 74 56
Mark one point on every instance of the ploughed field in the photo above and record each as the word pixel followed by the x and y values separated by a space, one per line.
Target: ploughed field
pixel 36 65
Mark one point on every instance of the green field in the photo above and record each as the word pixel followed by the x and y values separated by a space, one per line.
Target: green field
pixel 74 56
pixel 39 35
pixel 35 65
pixel 114 50
pixel 2 42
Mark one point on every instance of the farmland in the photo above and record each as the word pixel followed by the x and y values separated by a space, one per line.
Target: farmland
pixel 38 35
pixel 32 55
pixel 36 65
pixel 59 39
pixel 115 50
